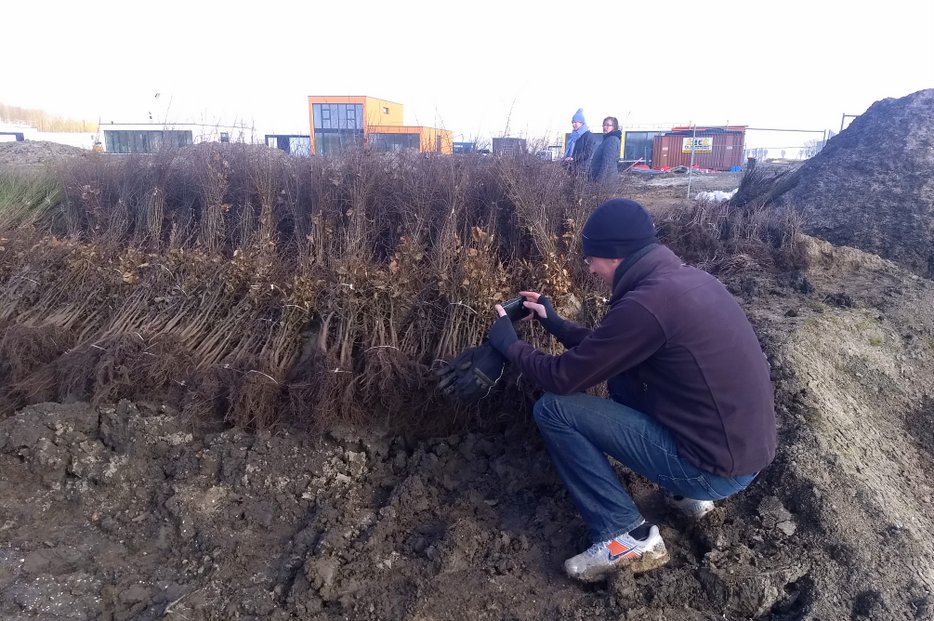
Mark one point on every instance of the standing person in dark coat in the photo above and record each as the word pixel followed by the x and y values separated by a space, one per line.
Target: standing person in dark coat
pixel 691 404
pixel 580 145
pixel 605 160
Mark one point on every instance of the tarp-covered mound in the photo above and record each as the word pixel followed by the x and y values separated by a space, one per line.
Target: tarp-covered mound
pixel 871 187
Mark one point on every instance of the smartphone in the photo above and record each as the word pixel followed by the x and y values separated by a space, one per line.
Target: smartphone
pixel 514 308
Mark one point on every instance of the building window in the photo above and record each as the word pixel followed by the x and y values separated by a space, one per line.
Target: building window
pixel 300 145
pixel 335 141
pixel 145 141
pixel 290 143
pixel 337 116
pixel 393 143
pixel 385 109
pixel 639 145
pixel 225 137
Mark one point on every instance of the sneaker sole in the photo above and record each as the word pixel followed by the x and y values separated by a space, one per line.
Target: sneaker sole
pixel 647 562
pixel 694 515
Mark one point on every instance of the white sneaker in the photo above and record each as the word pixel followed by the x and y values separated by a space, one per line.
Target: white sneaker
pixel 624 551
pixel 694 509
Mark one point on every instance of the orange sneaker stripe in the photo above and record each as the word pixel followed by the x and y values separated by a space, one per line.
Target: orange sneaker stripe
pixel 616 548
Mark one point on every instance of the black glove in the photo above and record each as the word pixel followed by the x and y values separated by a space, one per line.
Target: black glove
pixel 502 334
pixel 472 374
pixel 552 322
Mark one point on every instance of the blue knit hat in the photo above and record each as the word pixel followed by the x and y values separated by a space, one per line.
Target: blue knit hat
pixel 616 229
pixel 578 116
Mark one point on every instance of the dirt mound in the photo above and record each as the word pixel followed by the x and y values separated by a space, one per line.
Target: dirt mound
pixel 32 153
pixel 871 187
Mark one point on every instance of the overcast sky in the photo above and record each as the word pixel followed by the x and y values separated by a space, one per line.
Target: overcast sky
pixel 485 69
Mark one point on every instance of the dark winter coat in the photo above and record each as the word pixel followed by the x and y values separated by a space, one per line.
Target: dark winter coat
pixel 605 159
pixel 674 344
pixel 583 151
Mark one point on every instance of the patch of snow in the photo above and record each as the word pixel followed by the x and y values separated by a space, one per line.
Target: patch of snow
pixel 715 196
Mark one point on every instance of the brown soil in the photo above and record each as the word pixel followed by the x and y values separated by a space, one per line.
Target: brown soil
pixel 129 511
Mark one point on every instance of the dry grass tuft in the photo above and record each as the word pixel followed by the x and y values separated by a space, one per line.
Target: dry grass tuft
pixel 724 239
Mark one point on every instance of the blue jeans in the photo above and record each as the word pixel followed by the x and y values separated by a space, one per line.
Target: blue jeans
pixel 579 430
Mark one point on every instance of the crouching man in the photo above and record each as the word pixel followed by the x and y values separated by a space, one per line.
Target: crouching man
pixel 691 402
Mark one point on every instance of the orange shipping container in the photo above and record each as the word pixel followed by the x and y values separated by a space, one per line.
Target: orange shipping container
pixel 714 149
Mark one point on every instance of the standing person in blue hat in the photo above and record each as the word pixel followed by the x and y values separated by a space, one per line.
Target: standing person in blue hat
pixel 691 404
pixel 580 145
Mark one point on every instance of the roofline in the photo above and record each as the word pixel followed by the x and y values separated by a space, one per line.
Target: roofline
pixel 353 97
pixel 374 129
pixel 174 124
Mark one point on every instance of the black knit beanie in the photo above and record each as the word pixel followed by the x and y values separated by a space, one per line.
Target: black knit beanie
pixel 616 229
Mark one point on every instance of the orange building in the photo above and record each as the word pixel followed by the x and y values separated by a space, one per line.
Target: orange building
pixel 342 123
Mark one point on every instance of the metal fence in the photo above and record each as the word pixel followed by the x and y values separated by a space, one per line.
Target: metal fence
pixel 719 148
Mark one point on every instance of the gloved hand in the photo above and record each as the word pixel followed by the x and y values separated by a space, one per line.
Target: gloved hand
pixel 552 321
pixel 472 374
pixel 502 334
